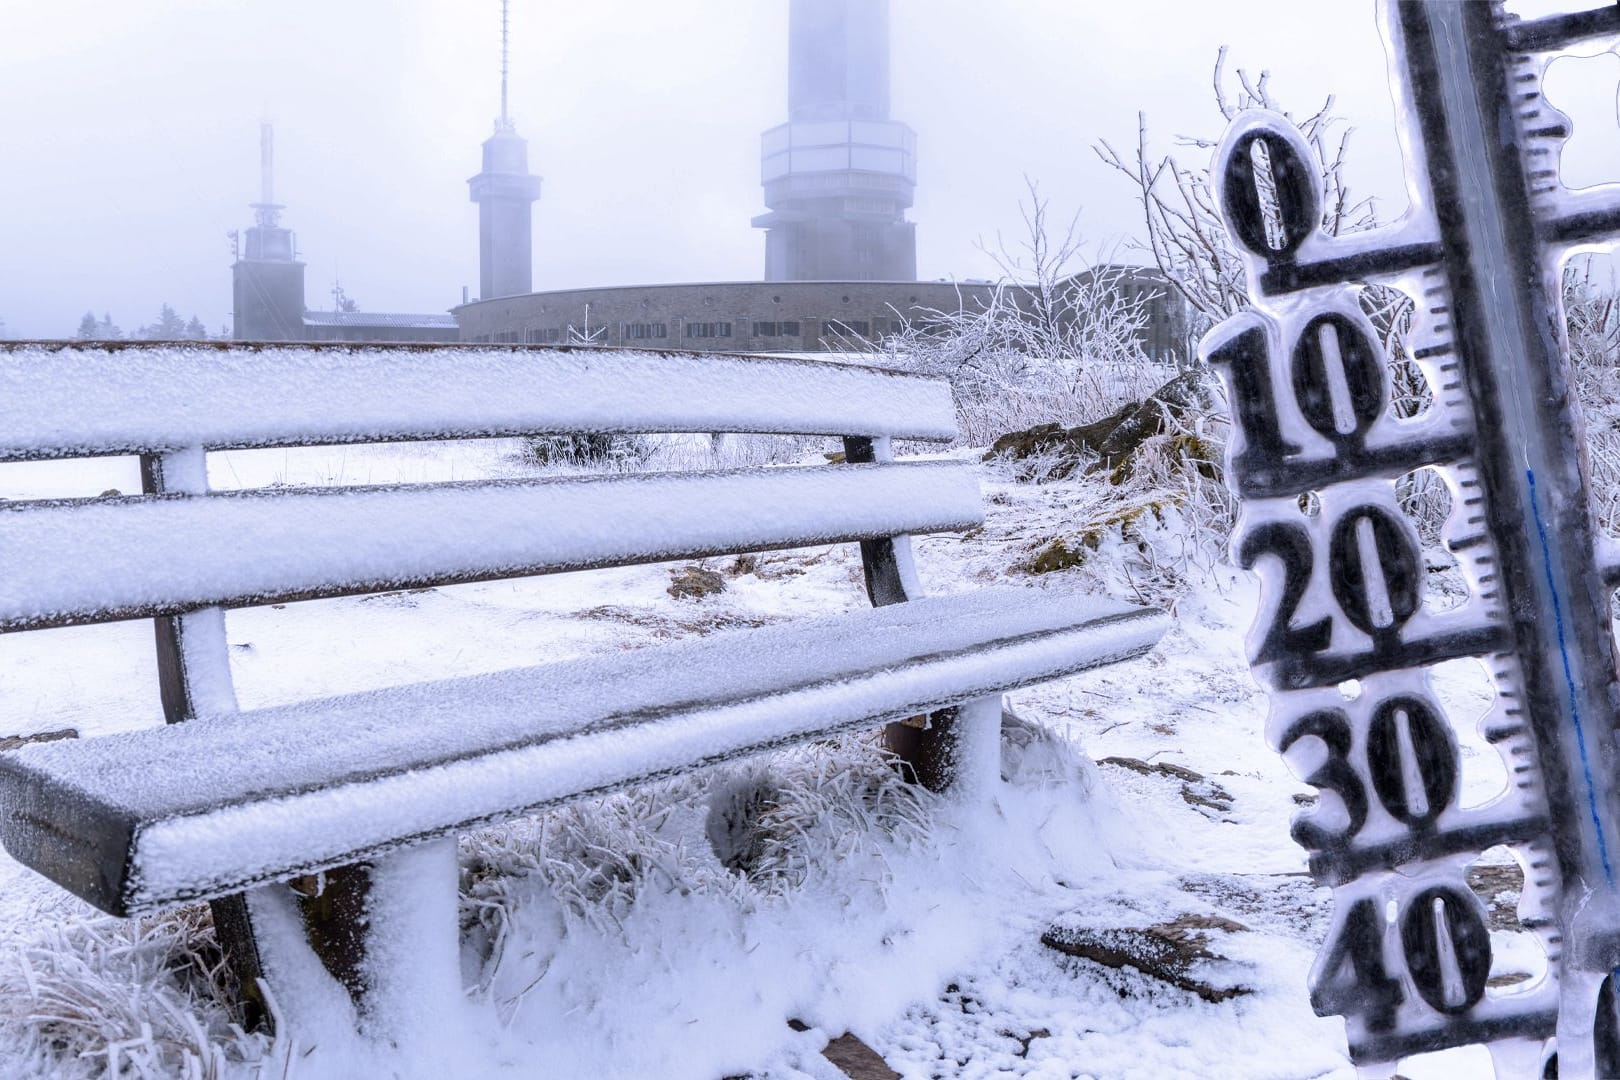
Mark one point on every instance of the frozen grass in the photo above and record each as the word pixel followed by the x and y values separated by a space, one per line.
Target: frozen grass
pixel 99 997
pixel 94 996
pixel 741 835
pixel 557 455
pixel 826 826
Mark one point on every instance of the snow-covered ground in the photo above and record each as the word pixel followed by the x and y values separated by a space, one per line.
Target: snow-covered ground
pixel 609 939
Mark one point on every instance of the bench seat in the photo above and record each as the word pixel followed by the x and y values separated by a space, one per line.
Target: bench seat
pixel 139 821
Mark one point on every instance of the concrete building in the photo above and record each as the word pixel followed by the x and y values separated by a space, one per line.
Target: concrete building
pixel 267 284
pixel 379 326
pixel 785 316
pixel 505 192
pixel 727 316
pixel 840 174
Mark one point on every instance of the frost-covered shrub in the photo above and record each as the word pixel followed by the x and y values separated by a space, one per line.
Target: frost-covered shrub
pixel 587 450
pixel 1007 374
pixel 1058 341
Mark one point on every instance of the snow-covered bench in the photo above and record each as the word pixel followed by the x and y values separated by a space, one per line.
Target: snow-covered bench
pixel 351 798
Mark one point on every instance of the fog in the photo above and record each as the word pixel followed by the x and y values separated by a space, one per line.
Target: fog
pixel 131 133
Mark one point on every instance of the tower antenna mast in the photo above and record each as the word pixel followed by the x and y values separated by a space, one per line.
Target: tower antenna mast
pixel 267 210
pixel 504 121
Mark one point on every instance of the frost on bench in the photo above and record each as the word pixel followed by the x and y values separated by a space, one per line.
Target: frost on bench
pixel 221 803
pixel 93 560
pixel 86 399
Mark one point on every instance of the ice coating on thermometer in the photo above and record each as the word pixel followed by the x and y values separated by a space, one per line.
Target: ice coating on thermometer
pixel 1324 454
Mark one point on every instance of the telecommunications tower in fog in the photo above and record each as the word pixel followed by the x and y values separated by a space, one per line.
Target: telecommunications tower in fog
pixel 840 174
pixel 505 191
pixel 267 277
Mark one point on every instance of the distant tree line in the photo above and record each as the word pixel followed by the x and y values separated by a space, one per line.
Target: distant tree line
pixel 168 326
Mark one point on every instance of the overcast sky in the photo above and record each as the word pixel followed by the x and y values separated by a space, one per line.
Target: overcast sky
pixel 130 132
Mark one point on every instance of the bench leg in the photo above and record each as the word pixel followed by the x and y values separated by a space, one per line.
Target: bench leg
pixel 410 960
pixel 233 930
pixel 959 750
pixel 961 746
pixel 377 950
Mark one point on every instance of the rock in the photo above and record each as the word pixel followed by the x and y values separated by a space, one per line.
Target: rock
pixel 1498 888
pixel 1072 446
pixel 11 742
pixel 1197 790
pixel 1177 952
pixel 1165 768
pixel 852 1057
pixel 857 1060
pixel 1074 547
pixel 1107 445
pixel 694 583
pixel 1208 795
pixel 1057 556
pixel 1024 1041
pixel 1183 397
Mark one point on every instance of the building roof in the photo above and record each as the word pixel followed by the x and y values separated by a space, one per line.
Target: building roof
pixel 759 284
pixel 379 319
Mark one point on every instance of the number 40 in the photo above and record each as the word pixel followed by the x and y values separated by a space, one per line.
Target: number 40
pixel 1444 946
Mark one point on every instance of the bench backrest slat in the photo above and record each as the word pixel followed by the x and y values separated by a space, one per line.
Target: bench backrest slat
pixel 96 560
pixel 84 400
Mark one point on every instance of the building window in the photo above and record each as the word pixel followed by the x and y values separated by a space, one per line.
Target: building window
pixel 850 327
pixel 508 337
pixel 788 328
pixel 642 331
pixel 550 335
pixel 708 329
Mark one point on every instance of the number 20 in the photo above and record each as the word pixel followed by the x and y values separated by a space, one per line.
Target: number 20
pixel 1374 565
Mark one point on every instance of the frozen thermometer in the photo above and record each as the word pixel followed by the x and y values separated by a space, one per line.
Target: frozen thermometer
pixel 1319 453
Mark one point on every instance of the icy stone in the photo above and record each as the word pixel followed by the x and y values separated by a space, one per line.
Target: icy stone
pixel 1178 952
